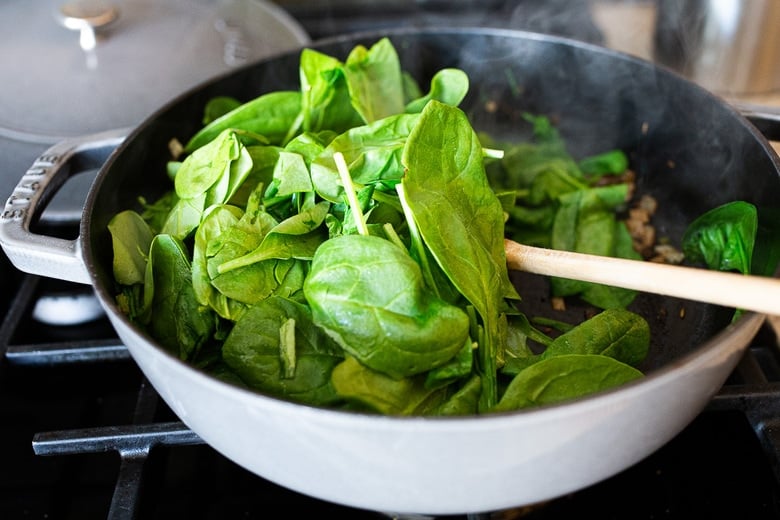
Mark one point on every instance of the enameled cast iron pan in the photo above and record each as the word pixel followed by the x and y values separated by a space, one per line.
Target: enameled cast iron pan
pixel 690 150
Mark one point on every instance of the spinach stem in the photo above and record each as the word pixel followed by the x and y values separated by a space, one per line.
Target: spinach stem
pixel 349 189
pixel 493 153
pixel 392 236
pixel 386 198
pixel 287 348
pixel 417 242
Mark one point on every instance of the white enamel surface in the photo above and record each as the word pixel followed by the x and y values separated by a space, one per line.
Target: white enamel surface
pixel 447 465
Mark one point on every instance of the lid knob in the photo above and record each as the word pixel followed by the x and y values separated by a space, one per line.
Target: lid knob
pixel 87 16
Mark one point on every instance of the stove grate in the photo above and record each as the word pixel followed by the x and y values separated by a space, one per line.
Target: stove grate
pixel 133 444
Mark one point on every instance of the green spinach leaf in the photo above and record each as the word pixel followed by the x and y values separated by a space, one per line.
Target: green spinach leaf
pixel 131 238
pixel 356 382
pixel 460 219
pixel 374 81
pixel 448 86
pixel 723 238
pixel 613 162
pixel 218 107
pixel 173 315
pixel 617 333
pixel 586 223
pixel 372 153
pixel 564 377
pixel 257 351
pixel 465 401
pixel 368 294
pixel 211 175
pixel 271 115
pixel 325 97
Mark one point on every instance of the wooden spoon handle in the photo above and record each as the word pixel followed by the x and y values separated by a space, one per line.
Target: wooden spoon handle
pixel 752 293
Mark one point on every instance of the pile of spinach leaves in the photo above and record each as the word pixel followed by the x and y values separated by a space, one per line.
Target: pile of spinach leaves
pixel 557 202
pixel 342 246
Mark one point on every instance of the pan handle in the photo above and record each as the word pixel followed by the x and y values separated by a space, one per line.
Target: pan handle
pixel 42 254
pixel 765 118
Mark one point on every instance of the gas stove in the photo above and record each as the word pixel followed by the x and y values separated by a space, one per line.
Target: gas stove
pixel 85 436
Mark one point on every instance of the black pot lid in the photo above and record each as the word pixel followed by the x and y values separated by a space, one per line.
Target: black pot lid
pixel 76 67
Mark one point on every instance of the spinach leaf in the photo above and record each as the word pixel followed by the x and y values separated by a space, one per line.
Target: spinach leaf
pixel 616 333
pixel 448 86
pixel 264 158
pixel 723 238
pixel 218 107
pixel 271 115
pixel 325 97
pixel 310 144
pixel 296 237
pixel 465 401
pixel 356 382
pixel 218 221
pixel 227 235
pixel 131 238
pixel 211 175
pixel 564 377
pixel 184 217
pixel 613 162
pixel 374 81
pixel 530 226
pixel 372 153
pixel 460 219
pixel 585 222
pixel 259 353
pixel 544 131
pixel 368 294
pixel 460 366
pixel 551 181
pixel 523 162
pixel 291 175
pixel 518 354
pixel 173 316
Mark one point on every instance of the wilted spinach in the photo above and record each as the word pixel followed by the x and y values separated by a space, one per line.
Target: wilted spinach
pixel 556 201
pixel 723 237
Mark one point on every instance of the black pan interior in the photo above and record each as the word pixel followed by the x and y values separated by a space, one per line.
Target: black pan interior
pixel 690 150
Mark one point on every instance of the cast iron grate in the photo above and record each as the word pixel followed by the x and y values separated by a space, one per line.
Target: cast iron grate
pixel 754 389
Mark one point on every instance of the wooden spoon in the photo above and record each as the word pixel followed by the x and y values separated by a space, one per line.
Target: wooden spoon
pixel 748 292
